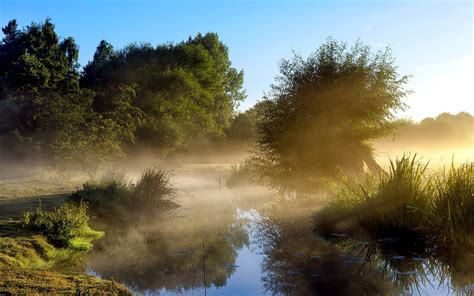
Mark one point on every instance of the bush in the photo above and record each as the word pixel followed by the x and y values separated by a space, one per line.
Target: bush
pixel 61 225
pixel 104 197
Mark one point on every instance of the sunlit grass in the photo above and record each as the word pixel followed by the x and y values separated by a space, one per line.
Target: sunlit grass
pixel 406 199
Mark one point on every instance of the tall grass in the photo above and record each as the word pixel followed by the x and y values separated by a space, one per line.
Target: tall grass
pixel 453 202
pixel 405 200
pixel 116 197
pixel 241 174
pixel 400 194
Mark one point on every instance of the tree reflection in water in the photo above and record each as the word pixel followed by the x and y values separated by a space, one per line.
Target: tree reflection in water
pixel 169 252
pixel 165 252
pixel 298 263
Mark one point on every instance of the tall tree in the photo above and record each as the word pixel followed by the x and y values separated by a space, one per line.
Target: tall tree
pixel 184 91
pixel 46 110
pixel 323 111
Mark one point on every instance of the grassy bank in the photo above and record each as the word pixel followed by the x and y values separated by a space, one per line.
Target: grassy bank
pixel 34 249
pixel 405 201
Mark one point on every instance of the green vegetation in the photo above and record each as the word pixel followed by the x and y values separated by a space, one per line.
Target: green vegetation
pixel 406 200
pixel 162 97
pixel 40 282
pixel 47 112
pixel 26 257
pixel 113 197
pixel 244 125
pixel 184 92
pixel 452 207
pixel 323 111
pixel 66 226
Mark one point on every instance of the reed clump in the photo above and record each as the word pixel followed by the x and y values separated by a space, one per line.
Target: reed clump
pixel 116 197
pixel 241 174
pixel 405 200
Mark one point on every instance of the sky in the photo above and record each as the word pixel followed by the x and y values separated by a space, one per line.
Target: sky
pixel 430 40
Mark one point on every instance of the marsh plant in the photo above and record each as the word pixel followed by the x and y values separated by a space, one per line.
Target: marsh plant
pixel 405 200
pixel 241 174
pixel 115 196
pixel 451 210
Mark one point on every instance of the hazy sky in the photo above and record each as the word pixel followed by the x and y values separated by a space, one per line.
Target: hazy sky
pixel 431 40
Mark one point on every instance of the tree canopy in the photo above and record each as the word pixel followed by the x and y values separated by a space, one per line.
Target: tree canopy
pixel 185 91
pixel 322 111
pixel 162 97
pixel 47 112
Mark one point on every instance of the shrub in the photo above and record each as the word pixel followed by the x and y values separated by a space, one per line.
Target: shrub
pixel 61 225
pixel 105 197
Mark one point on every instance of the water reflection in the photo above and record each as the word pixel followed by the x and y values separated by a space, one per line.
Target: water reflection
pixel 235 244
pixel 174 253
pixel 297 263
pixel 416 266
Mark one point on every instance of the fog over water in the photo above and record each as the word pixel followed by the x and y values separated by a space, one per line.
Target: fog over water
pixel 242 242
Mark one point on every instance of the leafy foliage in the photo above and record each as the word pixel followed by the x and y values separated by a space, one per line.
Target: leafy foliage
pixel 322 112
pixel 184 91
pixel 61 225
pixel 243 127
pixel 445 130
pixel 162 97
pixel 48 113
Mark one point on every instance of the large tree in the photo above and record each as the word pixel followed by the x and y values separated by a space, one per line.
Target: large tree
pixel 185 91
pixel 323 111
pixel 44 110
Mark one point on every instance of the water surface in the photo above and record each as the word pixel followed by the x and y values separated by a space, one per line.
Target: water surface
pixel 241 242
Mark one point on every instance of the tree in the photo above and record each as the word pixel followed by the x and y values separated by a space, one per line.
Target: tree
pixel 184 91
pixel 48 113
pixel 243 127
pixel 323 111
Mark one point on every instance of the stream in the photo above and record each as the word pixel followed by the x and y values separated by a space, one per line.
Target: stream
pixel 241 242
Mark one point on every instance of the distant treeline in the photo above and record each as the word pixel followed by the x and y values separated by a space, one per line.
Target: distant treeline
pixel 446 130
pixel 162 97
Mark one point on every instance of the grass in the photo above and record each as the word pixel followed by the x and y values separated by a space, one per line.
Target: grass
pixel 28 256
pixel 24 188
pixel 16 281
pixel 452 206
pixel 115 198
pixel 242 174
pixel 406 200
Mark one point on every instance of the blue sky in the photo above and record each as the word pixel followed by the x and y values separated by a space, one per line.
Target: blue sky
pixel 431 40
